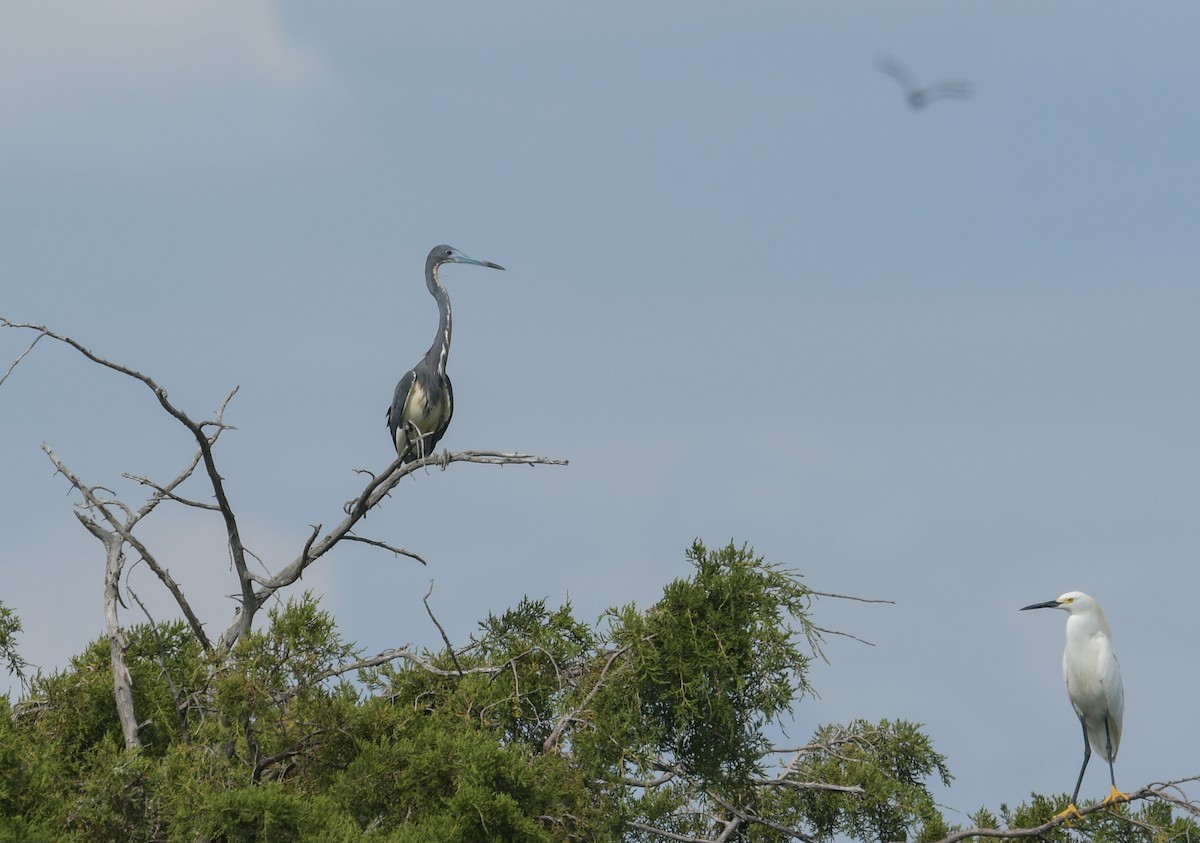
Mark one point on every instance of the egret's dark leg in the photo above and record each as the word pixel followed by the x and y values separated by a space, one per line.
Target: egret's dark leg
pixel 1087 756
pixel 1071 812
pixel 1116 795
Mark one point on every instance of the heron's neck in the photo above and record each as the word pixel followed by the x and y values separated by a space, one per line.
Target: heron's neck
pixel 440 350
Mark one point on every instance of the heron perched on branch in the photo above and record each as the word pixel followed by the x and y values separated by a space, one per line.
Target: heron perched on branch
pixel 424 400
pixel 1093 684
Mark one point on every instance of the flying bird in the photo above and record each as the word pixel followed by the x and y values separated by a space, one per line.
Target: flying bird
pixel 424 400
pixel 1093 684
pixel 916 96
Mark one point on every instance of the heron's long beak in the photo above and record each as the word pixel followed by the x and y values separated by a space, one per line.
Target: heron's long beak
pixel 1049 604
pixel 461 258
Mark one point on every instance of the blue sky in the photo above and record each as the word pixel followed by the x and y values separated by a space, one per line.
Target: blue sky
pixel 944 358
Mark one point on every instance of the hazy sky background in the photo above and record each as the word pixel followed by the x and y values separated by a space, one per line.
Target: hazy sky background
pixel 945 358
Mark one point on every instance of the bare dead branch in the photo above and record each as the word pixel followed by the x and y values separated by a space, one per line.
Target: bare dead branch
pixel 124 532
pixel 167 492
pixel 254 590
pixel 441 629
pixel 180 702
pixel 202 440
pixel 649 783
pixel 853 789
pixel 8 324
pixel 849 597
pixel 823 631
pixel 245 617
pixel 164 493
pixel 1164 791
pixel 399 551
pixel 551 741
pixel 114 559
pixel 374 492
pixel 747 816
pixel 410 656
pixel 316 531
pixel 295 749
pixel 668 835
pixel 341 670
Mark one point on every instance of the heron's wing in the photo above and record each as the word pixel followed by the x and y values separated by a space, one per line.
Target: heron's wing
pixel 395 413
pixel 944 90
pixel 898 72
pixel 433 438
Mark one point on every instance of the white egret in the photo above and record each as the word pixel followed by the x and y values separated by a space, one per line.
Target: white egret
pixel 1093 683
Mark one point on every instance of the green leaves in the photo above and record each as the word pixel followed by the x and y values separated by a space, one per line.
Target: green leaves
pixel 10 625
pixel 722 654
pixel 541 728
pixel 888 762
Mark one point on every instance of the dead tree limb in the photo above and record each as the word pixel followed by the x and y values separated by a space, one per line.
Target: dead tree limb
pixel 399 551
pixel 22 355
pixel 375 491
pixel 254 589
pixel 552 739
pixel 1168 792
pixel 122 681
pixel 181 706
pixel 203 441
pixel 124 530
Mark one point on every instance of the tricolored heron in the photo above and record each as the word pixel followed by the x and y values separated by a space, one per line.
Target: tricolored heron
pixel 916 96
pixel 1093 684
pixel 424 400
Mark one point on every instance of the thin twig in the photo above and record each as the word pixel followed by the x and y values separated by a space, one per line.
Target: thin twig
pixel 8 324
pixel 180 706
pixel 123 530
pixel 825 631
pixel 167 494
pixel 245 616
pixel 668 835
pixel 378 488
pixel 399 551
pixel 446 638
pixel 850 597
pixel 552 739
pixel 1149 792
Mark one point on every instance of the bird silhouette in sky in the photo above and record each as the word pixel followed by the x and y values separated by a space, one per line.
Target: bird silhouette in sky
pixel 916 96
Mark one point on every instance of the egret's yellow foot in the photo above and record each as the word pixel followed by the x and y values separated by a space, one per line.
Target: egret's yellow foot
pixel 1115 797
pixel 1071 813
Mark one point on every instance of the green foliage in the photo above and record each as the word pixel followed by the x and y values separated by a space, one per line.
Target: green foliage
pixel 277 705
pixel 452 781
pixel 541 729
pixel 709 665
pixel 1152 822
pixel 889 762
pixel 10 625
pixel 76 705
pixel 269 813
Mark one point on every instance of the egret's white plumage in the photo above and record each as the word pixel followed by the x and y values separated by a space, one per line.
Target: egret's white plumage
pixel 1093 679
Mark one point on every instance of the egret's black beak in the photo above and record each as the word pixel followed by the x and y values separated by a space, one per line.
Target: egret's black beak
pixel 1049 604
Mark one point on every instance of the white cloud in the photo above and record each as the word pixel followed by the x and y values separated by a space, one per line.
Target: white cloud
pixel 137 82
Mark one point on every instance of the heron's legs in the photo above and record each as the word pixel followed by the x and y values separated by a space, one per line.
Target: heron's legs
pixel 1071 812
pixel 1115 795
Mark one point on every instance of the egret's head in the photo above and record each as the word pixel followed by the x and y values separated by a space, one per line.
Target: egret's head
pixel 448 254
pixel 1072 602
